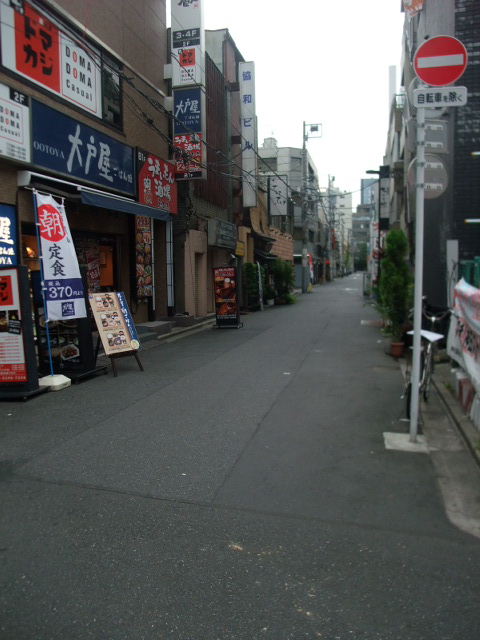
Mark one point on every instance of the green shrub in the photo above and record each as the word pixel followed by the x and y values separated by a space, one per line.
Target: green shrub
pixel 395 290
pixel 283 277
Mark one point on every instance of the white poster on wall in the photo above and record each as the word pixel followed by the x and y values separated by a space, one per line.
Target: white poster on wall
pixel 246 71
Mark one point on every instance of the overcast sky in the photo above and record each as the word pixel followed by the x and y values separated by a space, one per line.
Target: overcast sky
pixel 319 61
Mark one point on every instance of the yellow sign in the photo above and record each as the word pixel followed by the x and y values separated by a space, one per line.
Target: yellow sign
pixel 240 248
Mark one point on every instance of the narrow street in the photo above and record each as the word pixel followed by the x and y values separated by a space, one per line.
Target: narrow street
pixel 237 489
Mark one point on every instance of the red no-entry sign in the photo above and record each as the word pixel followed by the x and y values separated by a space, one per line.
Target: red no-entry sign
pixel 440 61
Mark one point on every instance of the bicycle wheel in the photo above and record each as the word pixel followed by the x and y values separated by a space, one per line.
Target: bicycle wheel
pixel 427 373
pixel 408 399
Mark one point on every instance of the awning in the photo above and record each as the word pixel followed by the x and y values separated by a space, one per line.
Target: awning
pixel 124 205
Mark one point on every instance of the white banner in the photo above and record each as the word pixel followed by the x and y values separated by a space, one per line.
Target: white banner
pixel 246 71
pixel 63 287
pixel 463 343
pixel 188 43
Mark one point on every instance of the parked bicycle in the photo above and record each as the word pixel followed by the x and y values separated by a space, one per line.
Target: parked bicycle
pixel 429 348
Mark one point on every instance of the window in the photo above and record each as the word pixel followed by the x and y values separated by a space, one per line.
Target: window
pixel 112 92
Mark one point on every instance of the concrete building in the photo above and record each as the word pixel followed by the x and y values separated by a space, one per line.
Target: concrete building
pixel 448 240
pixel 304 198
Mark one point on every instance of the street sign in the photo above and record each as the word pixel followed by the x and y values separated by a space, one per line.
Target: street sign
pixel 440 61
pixel 440 97
pixel 436 177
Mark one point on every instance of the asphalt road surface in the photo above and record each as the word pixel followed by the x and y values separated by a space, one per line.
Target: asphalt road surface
pixel 237 489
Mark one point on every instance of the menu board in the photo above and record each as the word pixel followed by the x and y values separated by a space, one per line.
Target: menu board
pixel 143 256
pixel 226 299
pixel 13 366
pixel 114 322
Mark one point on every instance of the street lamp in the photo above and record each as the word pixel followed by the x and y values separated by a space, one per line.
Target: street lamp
pixel 309 131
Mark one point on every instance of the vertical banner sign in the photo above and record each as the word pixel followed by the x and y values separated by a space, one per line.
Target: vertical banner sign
pixel 246 72
pixel 226 299
pixel 9 251
pixel 13 366
pixel 143 256
pixel 188 127
pixel 278 195
pixel 35 47
pixel 64 295
pixel 156 182
pixel 188 43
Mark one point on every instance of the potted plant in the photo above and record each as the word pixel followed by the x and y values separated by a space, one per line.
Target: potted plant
pixel 395 288
pixel 269 295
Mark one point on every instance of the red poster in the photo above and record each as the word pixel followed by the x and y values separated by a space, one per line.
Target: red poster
pixel 226 299
pixel 37 45
pixel 156 182
pixel 6 291
pixel 187 58
pixel 188 150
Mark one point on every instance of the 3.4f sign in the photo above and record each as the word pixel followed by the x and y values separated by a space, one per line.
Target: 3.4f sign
pixel 440 61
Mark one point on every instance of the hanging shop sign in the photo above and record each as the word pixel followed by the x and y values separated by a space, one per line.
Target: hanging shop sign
pixel 156 182
pixel 188 128
pixel 188 156
pixel 188 42
pixel 249 138
pixel 35 47
pixel 63 286
pixel 227 310
pixel 79 151
pixel 143 256
pixel 222 234
pixel 114 322
pixel 13 365
pixel 278 195
pixel 14 124
pixel 9 250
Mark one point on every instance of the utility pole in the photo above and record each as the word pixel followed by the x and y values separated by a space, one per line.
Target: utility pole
pixel 312 128
pixel 331 230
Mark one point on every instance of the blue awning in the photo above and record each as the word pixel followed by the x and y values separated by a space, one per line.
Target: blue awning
pixel 124 205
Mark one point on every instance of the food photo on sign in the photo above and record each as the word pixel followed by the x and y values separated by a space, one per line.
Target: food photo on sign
pixel 143 256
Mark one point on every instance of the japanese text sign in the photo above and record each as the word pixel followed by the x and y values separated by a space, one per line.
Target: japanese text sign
pixel 63 287
pixel 114 322
pixel 76 150
pixel 188 156
pixel 440 97
pixel 187 42
pixel 34 46
pixel 13 367
pixel 8 236
pixel 156 182
pixel 187 110
pixel 14 124
pixel 246 72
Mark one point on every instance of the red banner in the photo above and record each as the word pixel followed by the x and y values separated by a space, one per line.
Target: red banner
pixel 37 44
pixel 156 182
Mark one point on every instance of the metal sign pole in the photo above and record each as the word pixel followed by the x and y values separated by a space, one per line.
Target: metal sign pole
pixel 417 314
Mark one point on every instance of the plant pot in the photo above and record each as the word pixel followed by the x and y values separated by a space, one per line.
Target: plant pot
pixel 397 349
